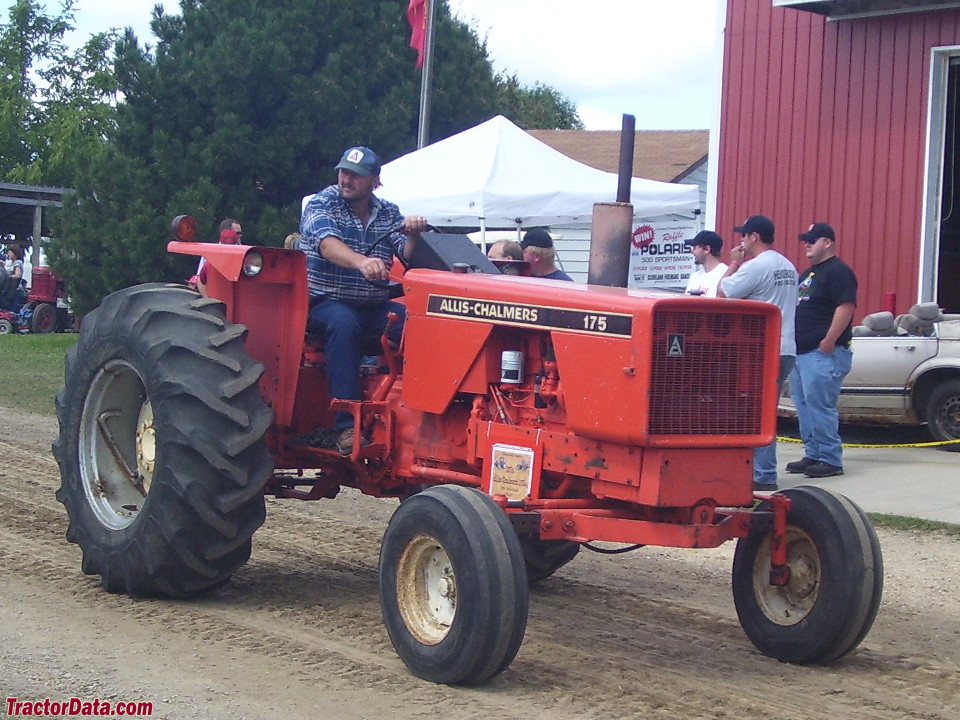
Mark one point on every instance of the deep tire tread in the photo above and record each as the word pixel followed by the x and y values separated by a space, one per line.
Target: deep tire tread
pixel 195 527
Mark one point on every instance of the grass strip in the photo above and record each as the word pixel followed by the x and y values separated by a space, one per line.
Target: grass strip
pixel 31 370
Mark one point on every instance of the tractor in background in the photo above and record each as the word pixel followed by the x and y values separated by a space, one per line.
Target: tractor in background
pixel 43 309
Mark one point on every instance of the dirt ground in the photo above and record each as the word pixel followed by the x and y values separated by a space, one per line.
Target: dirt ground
pixel 298 633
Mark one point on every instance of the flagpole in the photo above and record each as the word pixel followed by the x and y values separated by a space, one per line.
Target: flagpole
pixel 426 78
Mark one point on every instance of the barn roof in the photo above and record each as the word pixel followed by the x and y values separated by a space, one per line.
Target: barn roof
pixel 665 155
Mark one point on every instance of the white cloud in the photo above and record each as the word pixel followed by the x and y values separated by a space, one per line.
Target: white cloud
pixel 653 60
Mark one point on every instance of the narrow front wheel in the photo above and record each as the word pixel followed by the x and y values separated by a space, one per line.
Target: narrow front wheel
pixel 453 586
pixel 834 588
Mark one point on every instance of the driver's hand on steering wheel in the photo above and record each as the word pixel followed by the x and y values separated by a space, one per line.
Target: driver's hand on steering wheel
pixel 414 225
pixel 373 269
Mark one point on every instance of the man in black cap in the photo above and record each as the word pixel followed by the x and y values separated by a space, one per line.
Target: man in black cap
pixel 705 247
pixel 827 300
pixel 538 250
pixel 340 230
pixel 758 272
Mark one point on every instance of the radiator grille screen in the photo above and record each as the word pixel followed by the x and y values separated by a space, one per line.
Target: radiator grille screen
pixel 707 373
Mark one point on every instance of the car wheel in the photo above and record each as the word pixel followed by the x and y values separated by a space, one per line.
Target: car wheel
pixel 943 412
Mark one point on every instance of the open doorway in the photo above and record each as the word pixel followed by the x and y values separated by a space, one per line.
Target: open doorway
pixel 948 235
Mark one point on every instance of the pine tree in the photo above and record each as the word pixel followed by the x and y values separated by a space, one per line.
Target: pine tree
pixel 241 109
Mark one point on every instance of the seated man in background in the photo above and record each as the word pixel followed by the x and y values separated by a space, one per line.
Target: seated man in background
pixel 505 250
pixel 538 250
pixel 504 253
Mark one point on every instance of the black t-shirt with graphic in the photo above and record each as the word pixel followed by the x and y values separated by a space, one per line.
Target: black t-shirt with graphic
pixel 822 288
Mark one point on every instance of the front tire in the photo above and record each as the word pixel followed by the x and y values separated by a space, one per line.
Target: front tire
pixel 545 557
pixel 835 585
pixel 943 411
pixel 453 586
pixel 161 448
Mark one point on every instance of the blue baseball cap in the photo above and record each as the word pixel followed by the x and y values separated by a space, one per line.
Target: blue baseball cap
pixel 361 160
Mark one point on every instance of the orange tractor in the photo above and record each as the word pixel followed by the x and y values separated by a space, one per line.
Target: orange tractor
pixel 519 420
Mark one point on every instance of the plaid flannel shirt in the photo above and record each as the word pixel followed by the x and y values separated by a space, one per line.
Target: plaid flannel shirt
pixel 328 214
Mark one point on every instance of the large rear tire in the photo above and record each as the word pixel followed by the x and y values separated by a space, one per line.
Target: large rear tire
pixel 836 581
pixel 161 448
pixel 453 586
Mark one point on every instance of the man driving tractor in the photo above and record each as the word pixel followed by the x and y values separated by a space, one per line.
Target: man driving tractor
pixel 349 236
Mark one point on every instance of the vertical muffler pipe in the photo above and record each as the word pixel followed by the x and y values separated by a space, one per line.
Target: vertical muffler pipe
pixel 613 222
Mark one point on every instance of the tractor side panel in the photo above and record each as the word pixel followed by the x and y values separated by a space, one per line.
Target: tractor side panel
pixel 443 357
pixel 605 369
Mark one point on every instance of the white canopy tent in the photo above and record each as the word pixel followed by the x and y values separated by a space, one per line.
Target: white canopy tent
pixel 495 175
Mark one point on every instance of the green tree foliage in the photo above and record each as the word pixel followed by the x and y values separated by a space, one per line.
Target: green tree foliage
pixel 55 104
pixel 241 109
pixel 539 107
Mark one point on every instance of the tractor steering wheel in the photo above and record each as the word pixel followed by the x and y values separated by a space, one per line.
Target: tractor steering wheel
pixel 394 287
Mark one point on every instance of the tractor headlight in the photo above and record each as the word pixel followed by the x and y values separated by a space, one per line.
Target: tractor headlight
pixel 252 263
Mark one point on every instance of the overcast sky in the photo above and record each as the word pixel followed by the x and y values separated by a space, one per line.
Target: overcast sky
pixel 654 60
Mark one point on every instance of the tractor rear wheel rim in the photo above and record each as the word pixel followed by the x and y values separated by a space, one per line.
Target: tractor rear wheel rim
pixel 116 440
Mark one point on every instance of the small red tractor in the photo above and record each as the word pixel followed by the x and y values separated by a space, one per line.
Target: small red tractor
pixel 519 420
pixel 43 310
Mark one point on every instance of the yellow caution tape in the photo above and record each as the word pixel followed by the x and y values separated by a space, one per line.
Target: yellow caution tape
pixel 868 445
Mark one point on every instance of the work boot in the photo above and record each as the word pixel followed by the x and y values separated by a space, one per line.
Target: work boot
pixel 346 440
pixel 764 487
pixel 798 466
pixel 822 470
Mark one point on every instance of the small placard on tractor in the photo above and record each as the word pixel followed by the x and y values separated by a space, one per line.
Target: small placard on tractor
pixel 511 471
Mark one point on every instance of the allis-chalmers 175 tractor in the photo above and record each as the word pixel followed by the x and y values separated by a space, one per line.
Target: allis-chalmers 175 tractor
pixel 518 420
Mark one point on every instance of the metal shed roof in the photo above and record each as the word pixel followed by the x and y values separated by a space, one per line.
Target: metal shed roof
pixel 18 207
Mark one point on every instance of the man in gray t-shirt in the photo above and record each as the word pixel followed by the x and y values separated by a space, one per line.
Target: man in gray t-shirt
pixel 758 272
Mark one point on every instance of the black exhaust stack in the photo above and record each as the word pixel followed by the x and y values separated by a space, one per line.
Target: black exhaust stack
pixel 613 222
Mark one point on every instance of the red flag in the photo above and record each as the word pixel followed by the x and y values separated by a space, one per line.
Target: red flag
pixel 417 17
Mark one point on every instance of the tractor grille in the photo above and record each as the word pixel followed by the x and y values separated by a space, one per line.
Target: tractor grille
pixel 707 373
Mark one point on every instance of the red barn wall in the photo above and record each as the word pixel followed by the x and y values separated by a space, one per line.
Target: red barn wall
pixel 826 121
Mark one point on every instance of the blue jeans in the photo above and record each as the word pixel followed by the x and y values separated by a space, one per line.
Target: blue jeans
pixel 765 458
pixel 344 327
pixel 815 388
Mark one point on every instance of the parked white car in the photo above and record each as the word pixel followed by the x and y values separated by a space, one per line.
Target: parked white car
pixel 900 378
